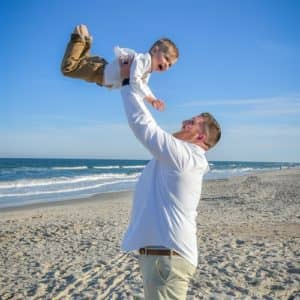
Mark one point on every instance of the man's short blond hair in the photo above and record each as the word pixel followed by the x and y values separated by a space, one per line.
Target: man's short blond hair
pixel 166 46
pixel 212 129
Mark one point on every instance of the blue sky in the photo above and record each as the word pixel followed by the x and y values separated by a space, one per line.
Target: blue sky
pixel 238 60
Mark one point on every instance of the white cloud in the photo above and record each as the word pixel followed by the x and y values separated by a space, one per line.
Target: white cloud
pixel 292 99
pixel 253 131
pixel 241 140
pixel 98 140
pixel 274 106
pixel 256 143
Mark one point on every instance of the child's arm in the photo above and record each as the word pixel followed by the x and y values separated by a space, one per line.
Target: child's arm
pixel 139 81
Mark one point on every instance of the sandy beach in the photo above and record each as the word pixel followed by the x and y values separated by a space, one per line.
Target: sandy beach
pixel 248 237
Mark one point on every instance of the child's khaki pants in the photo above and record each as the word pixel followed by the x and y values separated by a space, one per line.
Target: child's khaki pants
pixel 77 62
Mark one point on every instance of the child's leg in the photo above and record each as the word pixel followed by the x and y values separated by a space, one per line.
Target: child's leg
pixel 77 62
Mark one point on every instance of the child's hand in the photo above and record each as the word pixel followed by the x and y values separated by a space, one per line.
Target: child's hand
pixel 158 104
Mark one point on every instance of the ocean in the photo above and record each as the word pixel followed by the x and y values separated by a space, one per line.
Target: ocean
pixel 26 181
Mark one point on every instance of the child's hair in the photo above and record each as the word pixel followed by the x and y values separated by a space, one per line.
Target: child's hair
pixel 212 128
pixel 166 46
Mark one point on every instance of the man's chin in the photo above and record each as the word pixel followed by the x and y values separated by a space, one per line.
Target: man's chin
pixel 176 134
pixel 182 135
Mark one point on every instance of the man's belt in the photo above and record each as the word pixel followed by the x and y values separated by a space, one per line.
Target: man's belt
pixel 164 252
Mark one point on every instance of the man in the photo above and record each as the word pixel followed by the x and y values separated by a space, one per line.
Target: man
pixel 163 219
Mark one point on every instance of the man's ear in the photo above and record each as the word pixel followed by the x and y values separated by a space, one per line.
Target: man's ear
pixel 202 141
pixel 201 137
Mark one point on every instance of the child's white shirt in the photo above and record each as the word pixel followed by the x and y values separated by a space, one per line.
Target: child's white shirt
pixel 140 71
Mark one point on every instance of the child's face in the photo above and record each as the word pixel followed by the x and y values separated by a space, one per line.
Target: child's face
pixel 161 61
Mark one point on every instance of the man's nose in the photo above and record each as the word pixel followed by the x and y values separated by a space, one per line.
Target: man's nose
pixel 187 122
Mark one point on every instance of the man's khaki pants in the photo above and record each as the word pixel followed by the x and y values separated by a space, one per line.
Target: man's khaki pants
pixel 77 62
pixel 165 277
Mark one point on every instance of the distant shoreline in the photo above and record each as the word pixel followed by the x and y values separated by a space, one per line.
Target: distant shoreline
pixel 108 196
pixel 95 198
pixel 29 182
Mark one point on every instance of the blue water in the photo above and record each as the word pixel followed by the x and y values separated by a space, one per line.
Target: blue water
pixel 25 181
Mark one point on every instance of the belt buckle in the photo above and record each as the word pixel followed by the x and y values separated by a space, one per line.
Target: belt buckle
pixel 146 249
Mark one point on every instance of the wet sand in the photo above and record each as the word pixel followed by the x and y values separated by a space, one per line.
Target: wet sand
pixel 248 237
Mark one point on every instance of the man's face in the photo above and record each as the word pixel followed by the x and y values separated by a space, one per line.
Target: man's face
pixel 192 130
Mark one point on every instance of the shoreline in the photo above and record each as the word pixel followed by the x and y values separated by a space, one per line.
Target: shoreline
pixel 248 233
pixel 112 195
pixel 77 201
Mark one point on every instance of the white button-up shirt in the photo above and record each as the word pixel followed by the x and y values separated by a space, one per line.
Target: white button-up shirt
pixel 140 71
pixel 168 191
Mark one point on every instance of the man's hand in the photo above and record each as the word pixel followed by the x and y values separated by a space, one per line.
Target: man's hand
pixel 125 64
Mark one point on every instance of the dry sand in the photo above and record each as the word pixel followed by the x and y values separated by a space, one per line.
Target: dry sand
pixel 248 235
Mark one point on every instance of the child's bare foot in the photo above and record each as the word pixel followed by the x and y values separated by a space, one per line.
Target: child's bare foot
pixel 82 30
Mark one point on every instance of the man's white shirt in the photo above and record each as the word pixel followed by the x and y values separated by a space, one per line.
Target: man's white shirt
pixel 168 191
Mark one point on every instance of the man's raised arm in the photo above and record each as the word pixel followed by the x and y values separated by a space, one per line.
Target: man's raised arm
pixel 162 145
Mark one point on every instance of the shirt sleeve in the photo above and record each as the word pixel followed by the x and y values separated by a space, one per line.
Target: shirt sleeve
pixel 139 77
pixel 162 145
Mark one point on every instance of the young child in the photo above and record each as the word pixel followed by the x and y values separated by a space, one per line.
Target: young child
pixel 78 63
